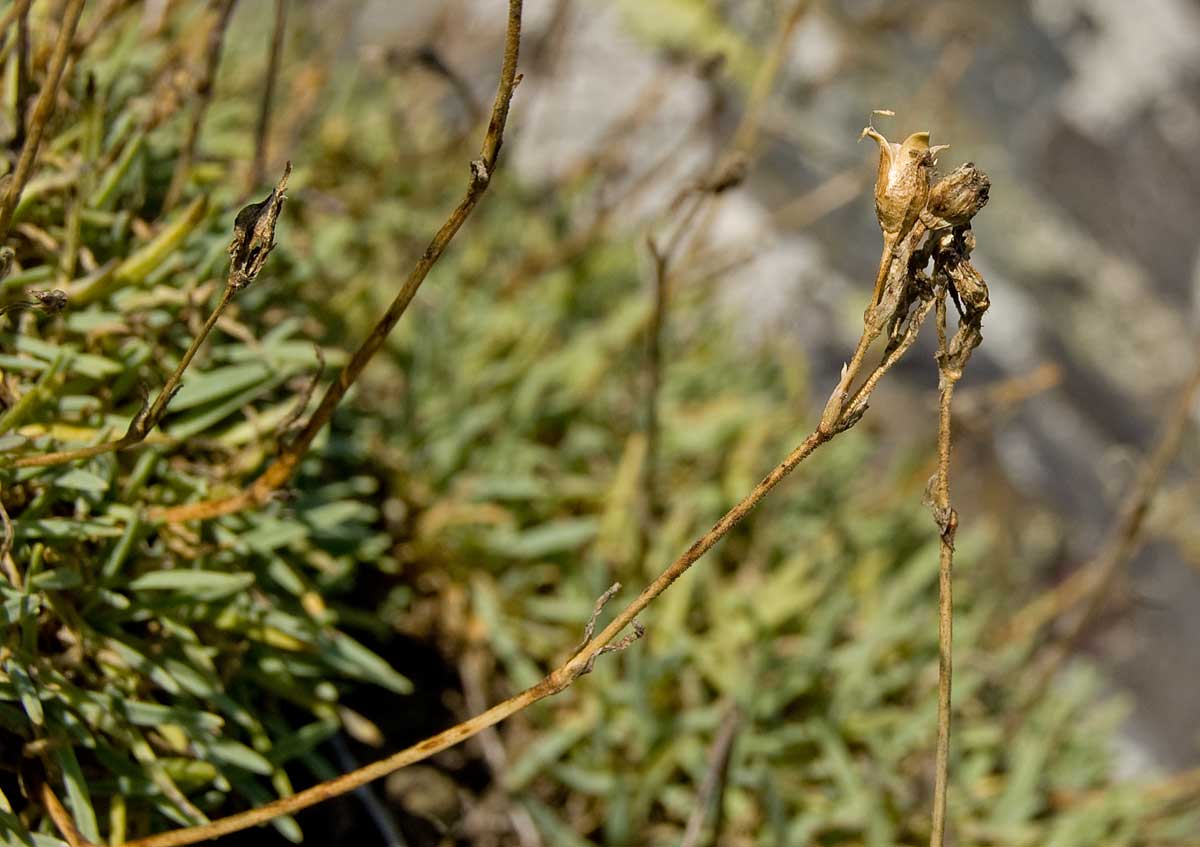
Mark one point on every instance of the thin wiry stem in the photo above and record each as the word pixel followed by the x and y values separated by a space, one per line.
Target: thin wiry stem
pixel 262 127
pixel 24 83
pixel 240 274
pixel 482 169
pixel 43 110
pixel 20 7
pixel 204 91
pixel 562 677
pixel 62 818
pixel 947 520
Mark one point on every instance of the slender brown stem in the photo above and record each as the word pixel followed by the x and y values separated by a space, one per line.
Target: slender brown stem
pixel 204 91
pixel 654 366
pixel 24 83
pixel 285 464
pixel 559 679
pixel 43 110
pixel 262 127
pixel 253 240
pixel 144 421
pixel 947 520
pixel 20 7
pixel 62 818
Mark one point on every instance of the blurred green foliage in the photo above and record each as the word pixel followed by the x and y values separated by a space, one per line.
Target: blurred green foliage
pixel 488 470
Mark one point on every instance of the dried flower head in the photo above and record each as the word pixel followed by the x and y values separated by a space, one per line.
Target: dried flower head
pixel 50 300
pixel 254 235
pixel 902 183
pixel 958 197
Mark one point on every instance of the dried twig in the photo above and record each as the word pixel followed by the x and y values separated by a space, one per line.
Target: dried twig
pixel 263 125
pixel 43 110
pixel 953 276
pixel 253 240
pixel 223 10
pixel 62 818
pixel 580 662
pixel 482 168
pixel 711 789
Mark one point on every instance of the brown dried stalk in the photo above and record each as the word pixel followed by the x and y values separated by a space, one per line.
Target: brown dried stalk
pixel 482 168
pixel 253 240
pixel 914 307
pixel 204 91
pixel 43 110
pixel 263 125
pixel 62 818
pixel 953 276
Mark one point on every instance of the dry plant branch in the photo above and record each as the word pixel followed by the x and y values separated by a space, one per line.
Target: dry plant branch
pixel 912 309
pixel 481 171
pixel 43 110
pixel 262 127
pixel 711 789
pixel 953 276
pixel 17 9
pixel 253 240
pixel 1089 585
pixel 62 818
pixel 223 10
pixel 23 81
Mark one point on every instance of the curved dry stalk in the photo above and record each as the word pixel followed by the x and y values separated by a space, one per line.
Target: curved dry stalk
pixel 43 110
pixel 204 91
pixel 482 168
pixel 562 677
pixel 947 520
pixel 255 225
pixel 263 125
pixel 62 818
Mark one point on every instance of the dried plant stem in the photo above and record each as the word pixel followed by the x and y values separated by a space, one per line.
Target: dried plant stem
pixel 145 420
pixel 24 83
pixel 1090 584
pixel 17 9
pixel 564 675
pixel 245 265
pixel 62 818
pixel 285 464
pixel 711 789
pixel 262 127
pixel 947 520
pixel 204 91
pixel 43 110
pixel 654 367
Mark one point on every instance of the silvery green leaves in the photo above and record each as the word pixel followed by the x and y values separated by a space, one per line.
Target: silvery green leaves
pixel 254 235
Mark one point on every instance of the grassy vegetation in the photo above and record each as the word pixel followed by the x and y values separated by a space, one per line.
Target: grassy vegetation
pixel 477 492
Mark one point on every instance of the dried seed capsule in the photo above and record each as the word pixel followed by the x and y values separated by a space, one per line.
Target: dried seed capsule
pixel 959 196
pixel 902 183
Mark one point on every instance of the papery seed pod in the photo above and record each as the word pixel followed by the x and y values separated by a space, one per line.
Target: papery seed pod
pixel 902 183
pixel 959 196
pixel 254 235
